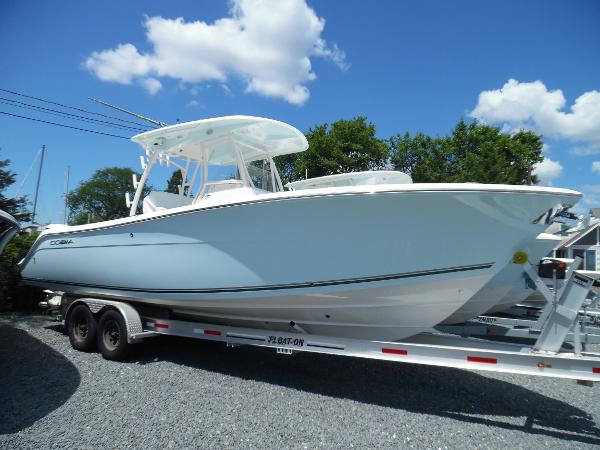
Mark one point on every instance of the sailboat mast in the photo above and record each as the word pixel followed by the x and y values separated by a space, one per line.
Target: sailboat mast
pixel 66 193
pixel 37 186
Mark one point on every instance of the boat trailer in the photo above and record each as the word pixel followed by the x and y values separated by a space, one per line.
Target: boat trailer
pixel 118 325
pixel 528 322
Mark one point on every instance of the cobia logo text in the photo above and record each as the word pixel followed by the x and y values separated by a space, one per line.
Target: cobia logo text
pixel 61 241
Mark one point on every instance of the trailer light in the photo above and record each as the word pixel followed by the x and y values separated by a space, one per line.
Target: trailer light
pixel 394 351
pixel 596 370
pixel 157 325
pixel 481 359
pixel 205 331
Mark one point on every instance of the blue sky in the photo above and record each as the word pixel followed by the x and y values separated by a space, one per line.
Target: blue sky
pixel 407 66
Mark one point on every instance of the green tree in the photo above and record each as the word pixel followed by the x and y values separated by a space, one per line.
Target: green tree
pixel 425 159
pixel 174 182
pixel 16 207
pixel 527 152
pixel 474 152
pixel 344 146
pixel 102 197
pixel 12 294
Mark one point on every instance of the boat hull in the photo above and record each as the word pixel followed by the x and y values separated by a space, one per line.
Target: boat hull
pixel 374 264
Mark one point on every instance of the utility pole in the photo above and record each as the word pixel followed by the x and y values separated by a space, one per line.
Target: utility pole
pixel 37 186
pixel 66 193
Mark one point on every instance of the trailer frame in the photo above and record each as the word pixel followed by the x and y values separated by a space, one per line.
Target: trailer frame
pixel 548 356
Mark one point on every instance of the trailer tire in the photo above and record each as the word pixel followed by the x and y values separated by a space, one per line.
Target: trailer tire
pixel 112 336
pixel 81 328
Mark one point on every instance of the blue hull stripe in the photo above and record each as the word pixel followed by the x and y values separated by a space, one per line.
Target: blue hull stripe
pixel 271 287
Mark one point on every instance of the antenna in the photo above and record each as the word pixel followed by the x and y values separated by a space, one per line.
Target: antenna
pixel 37 186
pixel 139 116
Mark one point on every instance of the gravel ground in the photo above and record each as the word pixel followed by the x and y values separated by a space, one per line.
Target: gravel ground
pixel 180 393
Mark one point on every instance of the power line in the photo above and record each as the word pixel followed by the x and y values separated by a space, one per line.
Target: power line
pixel 58 114
pixel 75 116
pixel 73 107
pixel 63 125
pixel 65 114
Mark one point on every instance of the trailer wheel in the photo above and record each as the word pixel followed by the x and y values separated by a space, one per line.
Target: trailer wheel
pixel 81 327
pixel 112 336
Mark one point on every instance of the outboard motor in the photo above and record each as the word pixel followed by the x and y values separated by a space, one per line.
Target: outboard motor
pixel 52 305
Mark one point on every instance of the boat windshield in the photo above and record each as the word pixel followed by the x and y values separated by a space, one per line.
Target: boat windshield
pixel 262 175
pixel 212 173
pixel 248 171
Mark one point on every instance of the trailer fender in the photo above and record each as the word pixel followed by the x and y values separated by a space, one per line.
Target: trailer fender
pixel 133 322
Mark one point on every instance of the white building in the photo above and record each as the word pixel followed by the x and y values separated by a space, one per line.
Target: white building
pixel 585 243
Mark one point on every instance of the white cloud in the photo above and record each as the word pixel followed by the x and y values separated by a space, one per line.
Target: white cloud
pixel 591 198
pixel 226 89
pixel 152 85
pixel 337 55
pixel 532 105
pixel 585 151
pixel 596 167
pixel 120 65
pixel 547 171
pixel 194 104
pixel 268 44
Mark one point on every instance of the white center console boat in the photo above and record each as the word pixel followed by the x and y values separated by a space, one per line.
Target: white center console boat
pixel 364 256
